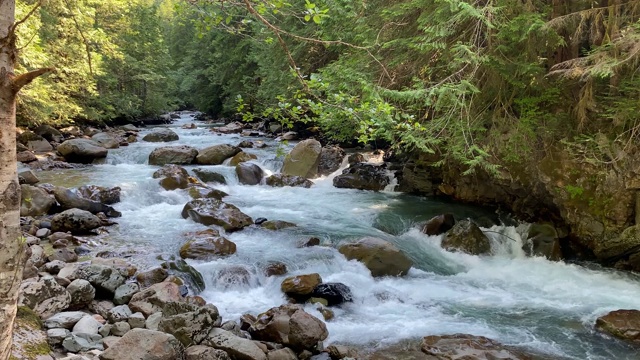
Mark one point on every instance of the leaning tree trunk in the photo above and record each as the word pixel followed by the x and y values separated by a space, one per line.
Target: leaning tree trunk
pixel 11 245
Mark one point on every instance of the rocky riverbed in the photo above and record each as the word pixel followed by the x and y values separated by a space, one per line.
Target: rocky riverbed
pixel 193 241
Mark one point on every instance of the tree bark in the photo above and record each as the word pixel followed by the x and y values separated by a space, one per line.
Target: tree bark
pixel 11 246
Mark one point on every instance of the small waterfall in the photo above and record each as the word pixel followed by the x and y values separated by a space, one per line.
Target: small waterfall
pixel 393 182
pixel 506 241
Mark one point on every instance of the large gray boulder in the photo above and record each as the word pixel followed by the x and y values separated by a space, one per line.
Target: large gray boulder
pixel 75 220
pixel 249 173
pixel 623 324
pixel 106 140
pixel 291 326
pixel 465 236
pixel 34 201
pixel 331 159
pixel 207 244
pixel 381 257
pixel 190 327
pixel 34 142
pixel 44 296
pixel 71 200
pixel 178 155
pixel 161 135
pixel 144 344
pixel 155 298
pixel 543 240
pixel 217 154
pixel 209 176
pixel 215 212
pixel 362 176
pixel 49 133
pixel 64 320
pixel 82 151
pixel 104 278
pixel 82 293
pixel 303 160
pixel 238 348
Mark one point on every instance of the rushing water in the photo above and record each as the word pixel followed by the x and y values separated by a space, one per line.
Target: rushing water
pixel 547 307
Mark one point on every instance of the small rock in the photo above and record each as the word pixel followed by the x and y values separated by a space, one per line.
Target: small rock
pixel 124 293
pixel 64 255
pixel 119 313
pixel 82 293
pixel 153 321
pixel 300 287
pixel 334 293
pixel 439 224
pixel 314 241
pixel 43 233
pixel 87 325
pixel 120 328
pixel 56 336
pixel 137 320
pixel 153 276
pixel 66 319
pixel 275 269
pixel 467 237
pixel 76 343
pixel 277 224
pixel 201 352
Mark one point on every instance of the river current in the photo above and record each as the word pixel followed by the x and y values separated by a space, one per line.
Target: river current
pixel 547 307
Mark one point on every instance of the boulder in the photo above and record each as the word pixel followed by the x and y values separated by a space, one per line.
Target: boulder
pixel 63 254
pixel 105 279
pixel 627 243
pixel 44 296
pixel 191 327
pixel 232 276
pixel 153 276
pixel 334 293
pixel 28 177
pixel 172 177
pixel 106 140
pixel 543 240
pixel 205 246
pixel 622 324
pixel 241 157
pixel 467 237
pixel 34 201
pixel 26 157
pixel 331 158
pixel 178 155
pixel 290 326
pixel 231 128
pixel 119 314
pixel 137 320
pixel 161 135
pixel 245 144
pixel 49 133
pixel 64 320
pixel 82 151
pixel 198 192
pixel 76 221
pixel 381 257
pixel 362 176
pixel 187 273
pixel 144 344
pixel 82 293
pixel 34 142
pixel 281 180
pixel 276 224
pixel 87 325
pixel 209 176
pixel 303 160
pixel 129 127
pixel 201 352
pixel 80 342
pixel 125 292
pixel 216 154
pixel 215 212
pixel 300 287
pixel 282 354
pixel 155 297
pixel 121 265
pixel 275 269
pixel 108 196
pixel 238 348
pixel 439 224
pixel 56 336
pixel 463 346
pixel 73 131
pixel 249 173
pixel 71 200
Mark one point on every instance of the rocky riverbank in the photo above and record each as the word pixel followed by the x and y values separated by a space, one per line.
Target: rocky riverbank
pixel 101 306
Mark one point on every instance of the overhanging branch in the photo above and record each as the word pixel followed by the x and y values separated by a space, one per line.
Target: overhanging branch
pixel 22 80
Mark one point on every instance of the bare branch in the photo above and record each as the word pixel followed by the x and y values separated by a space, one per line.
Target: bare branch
pixel 22 80
pixel 13 28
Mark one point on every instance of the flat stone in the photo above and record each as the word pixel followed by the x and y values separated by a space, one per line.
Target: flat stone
pixel 66 319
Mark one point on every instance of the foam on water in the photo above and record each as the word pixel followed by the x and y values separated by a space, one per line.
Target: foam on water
pixel 545 306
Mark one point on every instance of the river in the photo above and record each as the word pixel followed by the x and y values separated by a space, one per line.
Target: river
pixel 547 307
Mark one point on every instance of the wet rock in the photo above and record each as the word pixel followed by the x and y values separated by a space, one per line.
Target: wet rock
pixel 627 243
pixel 34 201
pixel 462 346
pixel 201 352
pixel 104 278
pixel 108 196
pixel 178 155
pixel 300 287
pixel 241 157
pixel 28 177
pixel 82 293
pixel 161 135
pixel 467 237
pixel 232 276
pixel 144 344
pixel 197 192
pixel 172 177
pixel 281 180
pixel 76 221
pixel 275 269
pixel 289 135
pixel 76 343
pixel 44 296
pixel 362 176
pixel 381 257
pixel 231 128
pixel 209 176
pixel 65 320
pixel 277 225
pixel 205 245
pixel 129 127
pixel 106 140
pixel 542 240
pixel 245 144
pixel 124 293
pixel 152 299
pixel 216 154
pixel 334 293
pixel 26 157
pixel 186 272
pixel 622 324
pixel 71 200
pixel 291 326
pixel 82 151
pixel 331 159
pixel 303 160
pixel 191 327
pixel 153 276
pixel 249 174
pixel 237 347
pixel 215 212
pixel 439 224
pixel 340 352
pixel 314 241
